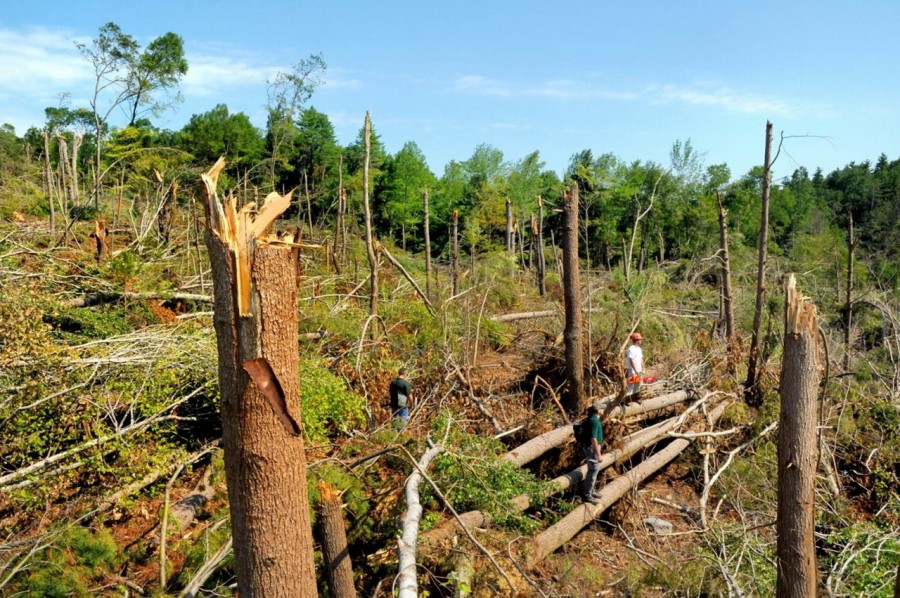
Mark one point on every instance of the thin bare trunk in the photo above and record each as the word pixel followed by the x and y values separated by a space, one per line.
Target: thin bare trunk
pixel 73 174
pixel 728 308
pixel 64 168
pixel 255 286
pixel 337 255
pixel 510 247
pixel 454 259
pixel 541 263
pixel 751 388
pixel 370 241
pixel 48 178
pixel 406 580
pixel 797 448
pixel 575 392
pixel 848 316
pixel 426 229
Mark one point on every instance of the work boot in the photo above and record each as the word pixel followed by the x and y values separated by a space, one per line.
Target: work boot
pixel 590 498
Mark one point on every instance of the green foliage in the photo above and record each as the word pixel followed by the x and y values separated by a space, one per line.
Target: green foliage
pixel 472 477
pixel 78 559
pixel 328 406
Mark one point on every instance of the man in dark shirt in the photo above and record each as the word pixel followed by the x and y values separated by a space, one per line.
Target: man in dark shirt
pixel 401 398
pixel 592 432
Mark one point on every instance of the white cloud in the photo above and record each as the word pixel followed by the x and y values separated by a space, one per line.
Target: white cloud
pixel 40 62
pixel 724 97
pixel 478 85
pixel 208 74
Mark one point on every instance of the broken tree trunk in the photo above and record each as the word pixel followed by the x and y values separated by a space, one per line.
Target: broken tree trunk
pixel 565 529
pixel 539 445
pixel 797 447
pixel 370 241
pixel 332 534
pixel 100 235
pixel 255 288
pixel 426 229
pixel 111 296
pixel 406 581
pixel 185 510
pixel 751 387
pixel 575 391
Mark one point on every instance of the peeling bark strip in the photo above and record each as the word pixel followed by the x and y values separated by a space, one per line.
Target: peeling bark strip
pixel 255 291
pixel 261 373
pixel 797 447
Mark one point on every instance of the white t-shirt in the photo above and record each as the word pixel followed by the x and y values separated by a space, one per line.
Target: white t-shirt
pixel 634 354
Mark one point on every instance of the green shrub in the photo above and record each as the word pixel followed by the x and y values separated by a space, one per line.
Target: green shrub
pixel 328 406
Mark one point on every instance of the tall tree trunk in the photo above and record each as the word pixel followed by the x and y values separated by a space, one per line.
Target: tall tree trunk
pixel 332 534
pixel 751 389
pixel 797 448
pixel 510 248
pixel 255 287
pixel 48 178
pixel 426 226
pixel 848 316
pixel 403 235
pixel 370 241
pixel 73 174
pixel 338 254
pixel 66 189
pixel 575 392
pixel 454 259
pixel 725 271
pixel 541 262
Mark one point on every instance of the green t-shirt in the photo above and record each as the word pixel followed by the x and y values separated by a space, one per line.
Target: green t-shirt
pixel 596 429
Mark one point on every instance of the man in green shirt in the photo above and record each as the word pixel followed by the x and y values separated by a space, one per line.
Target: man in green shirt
pixel 591 437
pixel 401 398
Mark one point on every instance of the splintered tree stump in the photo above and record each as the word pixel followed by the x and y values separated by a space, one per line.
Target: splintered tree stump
pixel 798 452
pixel 332 534
pixel 99 236
pixel 255 290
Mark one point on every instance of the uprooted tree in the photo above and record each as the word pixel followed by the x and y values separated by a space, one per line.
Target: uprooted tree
pixel 255 279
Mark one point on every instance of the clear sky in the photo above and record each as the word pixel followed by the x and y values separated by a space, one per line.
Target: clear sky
pixel 623 77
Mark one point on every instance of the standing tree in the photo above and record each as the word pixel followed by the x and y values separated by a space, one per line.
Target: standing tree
pixel 751 387
pixel 370 240
pixel 725 272
pixel 541 263
pixel 255 290
pixel 848 315
pixel 427 234
pixel 575 393
pixel 124 76
pixel 797 448
pixel 287 92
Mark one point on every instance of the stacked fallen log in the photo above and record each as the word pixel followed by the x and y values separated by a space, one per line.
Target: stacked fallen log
pixel 633 443
pixel 564 530
pixel 609 408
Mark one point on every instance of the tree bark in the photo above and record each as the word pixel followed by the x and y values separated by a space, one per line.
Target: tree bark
pixel 63 148
pixel 73 174
pixel 454 259
pixel 797 448
pixel 751 388
pixel 510 243
pixel 332 534
pixel 427 231
pixel 255 289
pixel 370 245
pixel 541 263
pixel 102 245
pixel 337 255
pixel 575 392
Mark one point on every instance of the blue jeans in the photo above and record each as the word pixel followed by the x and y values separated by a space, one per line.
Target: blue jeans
pixel 593 470
pixel 401 416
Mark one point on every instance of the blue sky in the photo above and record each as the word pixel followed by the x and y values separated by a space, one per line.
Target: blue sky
pixel 623 77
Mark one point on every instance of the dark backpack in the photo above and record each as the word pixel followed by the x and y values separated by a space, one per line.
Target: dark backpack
pixel 583 431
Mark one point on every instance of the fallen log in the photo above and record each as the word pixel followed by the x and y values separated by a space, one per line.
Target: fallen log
pixel 609 408
pixel 526 315
pixel 112 296
pixel 636 442
pixel 565 529
pixel 406 548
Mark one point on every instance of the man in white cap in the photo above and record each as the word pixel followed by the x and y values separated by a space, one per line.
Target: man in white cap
pixel 634 365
